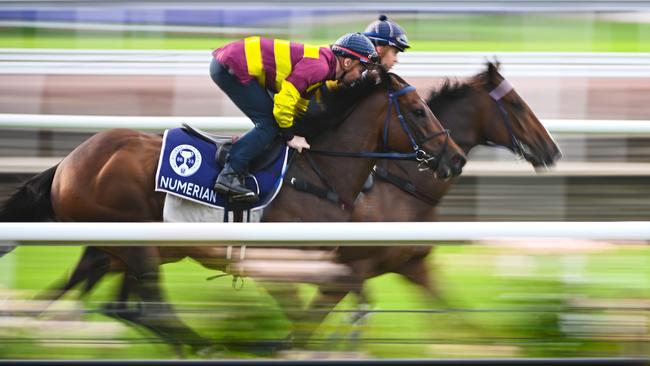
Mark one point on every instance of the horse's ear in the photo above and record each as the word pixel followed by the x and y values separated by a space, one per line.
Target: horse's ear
pixel 493 71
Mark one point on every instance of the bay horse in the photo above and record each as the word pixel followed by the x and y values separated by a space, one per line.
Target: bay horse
pixel 110 177
pixel 485 110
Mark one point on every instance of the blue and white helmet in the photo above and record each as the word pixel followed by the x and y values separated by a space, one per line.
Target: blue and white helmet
pixel 384 32
pixel 356 46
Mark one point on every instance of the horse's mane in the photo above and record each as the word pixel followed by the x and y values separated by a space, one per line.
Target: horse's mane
pixel 452 90
pixel 338 103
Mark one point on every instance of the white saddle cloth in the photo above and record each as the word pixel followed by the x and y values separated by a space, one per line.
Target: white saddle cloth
pixel 177 209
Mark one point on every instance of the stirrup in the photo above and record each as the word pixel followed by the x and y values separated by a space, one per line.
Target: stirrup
pixel 249 197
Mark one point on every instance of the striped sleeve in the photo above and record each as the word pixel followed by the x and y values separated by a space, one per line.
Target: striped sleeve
pixel 292 98
pixel 285 103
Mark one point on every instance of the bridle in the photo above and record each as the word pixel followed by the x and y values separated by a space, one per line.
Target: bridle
pixel 425 159
pixel 407 186
pixel 497 95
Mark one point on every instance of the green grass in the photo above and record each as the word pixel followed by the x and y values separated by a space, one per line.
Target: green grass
pixel 521 297
pixel 461 32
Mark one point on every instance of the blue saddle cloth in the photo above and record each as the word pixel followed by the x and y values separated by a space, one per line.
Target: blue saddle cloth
pixel 188 168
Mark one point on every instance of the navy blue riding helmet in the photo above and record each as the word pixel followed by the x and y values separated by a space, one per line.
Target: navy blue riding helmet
pixel 356 46
pixel 384 32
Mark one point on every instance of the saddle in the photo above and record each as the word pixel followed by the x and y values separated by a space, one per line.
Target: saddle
pixel 224 144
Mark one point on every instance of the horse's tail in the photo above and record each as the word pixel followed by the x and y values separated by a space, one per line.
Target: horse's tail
pixel 30 202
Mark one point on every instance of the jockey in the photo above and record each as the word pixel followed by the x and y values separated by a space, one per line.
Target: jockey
pixel 249 71
pixel 389 39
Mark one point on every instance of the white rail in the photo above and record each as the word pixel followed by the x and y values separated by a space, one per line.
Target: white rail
pixel 309 234
pixel 412 64
pixel 473 168
pixel 93 123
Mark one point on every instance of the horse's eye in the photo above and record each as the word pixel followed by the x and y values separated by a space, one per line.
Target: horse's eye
pixel 419 112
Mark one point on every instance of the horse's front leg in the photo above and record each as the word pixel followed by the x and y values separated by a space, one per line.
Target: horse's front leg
pixel 319 308
pixel 329 295
pixel 287 297
pixel 419 272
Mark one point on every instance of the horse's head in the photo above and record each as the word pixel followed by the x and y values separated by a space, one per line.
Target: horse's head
pixel 410 125
pixel 511 123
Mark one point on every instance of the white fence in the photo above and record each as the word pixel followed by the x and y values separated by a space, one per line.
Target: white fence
pixel 310 234
pixel 93 123
pixel 412 64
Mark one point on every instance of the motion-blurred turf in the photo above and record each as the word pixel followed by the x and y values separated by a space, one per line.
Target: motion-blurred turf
pixel 524 301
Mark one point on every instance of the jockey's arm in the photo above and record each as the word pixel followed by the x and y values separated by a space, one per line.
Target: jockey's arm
pixel 289 101
pixel 286 102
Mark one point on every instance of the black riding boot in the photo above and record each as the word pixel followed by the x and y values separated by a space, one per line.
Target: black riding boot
pixel 229 182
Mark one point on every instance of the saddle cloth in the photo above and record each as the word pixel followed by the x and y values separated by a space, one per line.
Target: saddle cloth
pixel 187 168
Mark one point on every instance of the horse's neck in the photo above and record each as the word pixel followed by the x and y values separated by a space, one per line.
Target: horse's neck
pixel 360 132
pixel 465 119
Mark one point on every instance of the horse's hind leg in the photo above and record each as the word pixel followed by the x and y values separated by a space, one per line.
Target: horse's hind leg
pixel 157 314
pixel 92 266
pixel 121 311
pixel 101 266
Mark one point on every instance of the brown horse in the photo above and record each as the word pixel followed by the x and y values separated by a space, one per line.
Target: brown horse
pixel 110 177
pixel 486 110
pixel 475 115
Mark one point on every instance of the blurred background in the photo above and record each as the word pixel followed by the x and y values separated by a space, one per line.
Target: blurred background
pixel 574 62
